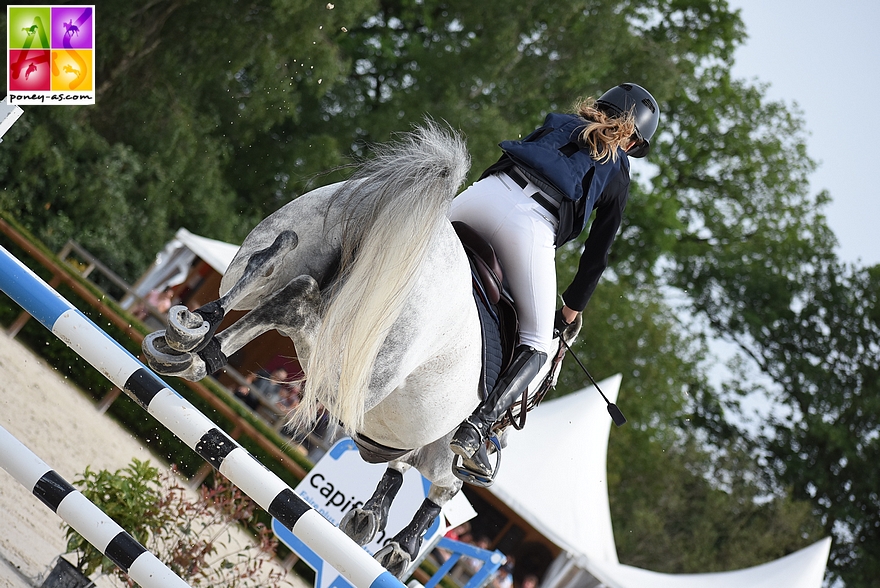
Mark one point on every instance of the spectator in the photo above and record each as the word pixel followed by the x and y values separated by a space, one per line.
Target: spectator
pixel 289 397
pixel 503 578
pixel 319 436
pixel 248 397
pixel 159 300
pixel 473 565
pixel 530 581
pixel 270 385
pixel 460 533
pixel 267 385
pixel 457 533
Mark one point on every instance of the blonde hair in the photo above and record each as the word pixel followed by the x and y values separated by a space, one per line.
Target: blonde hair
pixel 604 133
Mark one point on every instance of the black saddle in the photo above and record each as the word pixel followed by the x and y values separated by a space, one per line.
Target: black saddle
pixel 495 306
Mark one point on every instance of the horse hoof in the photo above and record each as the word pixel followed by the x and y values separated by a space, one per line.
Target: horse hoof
pixel 186 330
pixel 394 559
pixel 360 525
pixel 167 361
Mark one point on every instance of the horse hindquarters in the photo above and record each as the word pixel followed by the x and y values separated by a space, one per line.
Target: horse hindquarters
pixel 260 268
pixel 424 386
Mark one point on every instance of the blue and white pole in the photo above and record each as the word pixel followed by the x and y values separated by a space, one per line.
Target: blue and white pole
pixel 83 516
pixel 190 425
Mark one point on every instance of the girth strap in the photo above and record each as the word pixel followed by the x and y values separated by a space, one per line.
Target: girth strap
pixel 374 452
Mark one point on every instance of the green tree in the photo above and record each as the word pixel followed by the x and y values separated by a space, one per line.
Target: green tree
pixel 687 493
pixel 816 334
pixel 755 255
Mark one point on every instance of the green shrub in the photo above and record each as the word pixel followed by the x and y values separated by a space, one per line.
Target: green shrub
pixel 184 532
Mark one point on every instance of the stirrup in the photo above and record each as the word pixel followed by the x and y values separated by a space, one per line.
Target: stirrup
pixel 476 478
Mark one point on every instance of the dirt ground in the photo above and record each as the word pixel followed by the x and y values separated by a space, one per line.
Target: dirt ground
pixel 57 422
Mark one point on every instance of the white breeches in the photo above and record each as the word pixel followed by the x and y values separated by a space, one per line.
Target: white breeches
pixel 523 235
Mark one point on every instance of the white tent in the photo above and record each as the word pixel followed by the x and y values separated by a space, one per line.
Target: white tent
pixel 554 476
pixel 174 261
pixel 217 254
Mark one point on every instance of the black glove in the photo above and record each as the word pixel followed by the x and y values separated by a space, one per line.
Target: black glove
pixel 559 324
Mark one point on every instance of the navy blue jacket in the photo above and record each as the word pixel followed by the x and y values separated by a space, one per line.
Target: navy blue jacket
pixel 600 187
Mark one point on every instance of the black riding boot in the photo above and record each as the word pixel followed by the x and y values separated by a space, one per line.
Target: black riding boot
pixel 470 439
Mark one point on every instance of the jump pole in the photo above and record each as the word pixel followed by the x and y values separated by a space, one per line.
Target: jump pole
pixel 192 427
pixel 83 516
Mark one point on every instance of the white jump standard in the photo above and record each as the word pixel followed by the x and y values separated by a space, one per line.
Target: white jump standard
pixel 190 425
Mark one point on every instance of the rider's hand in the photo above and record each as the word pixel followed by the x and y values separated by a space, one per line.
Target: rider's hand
pixel 559 323
pixel 564 319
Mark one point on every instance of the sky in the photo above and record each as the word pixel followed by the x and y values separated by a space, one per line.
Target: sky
pixel 825 57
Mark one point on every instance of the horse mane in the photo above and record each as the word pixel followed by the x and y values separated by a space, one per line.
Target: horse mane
pixel 392 210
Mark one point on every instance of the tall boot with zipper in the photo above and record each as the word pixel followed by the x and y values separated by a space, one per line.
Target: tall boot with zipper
pixel 469 441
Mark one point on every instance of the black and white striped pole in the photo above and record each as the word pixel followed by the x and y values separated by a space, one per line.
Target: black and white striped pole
pixel 83 516
pixel 125 371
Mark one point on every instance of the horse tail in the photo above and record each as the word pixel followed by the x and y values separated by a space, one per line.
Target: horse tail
pixel 393 208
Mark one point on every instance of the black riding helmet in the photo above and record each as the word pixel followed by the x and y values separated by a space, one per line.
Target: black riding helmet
pixel 626 97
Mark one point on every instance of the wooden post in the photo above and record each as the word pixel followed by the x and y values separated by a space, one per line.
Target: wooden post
pixel 108 399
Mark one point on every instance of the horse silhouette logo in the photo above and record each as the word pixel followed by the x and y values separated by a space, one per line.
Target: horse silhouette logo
pixel 70 28
pixel 50 54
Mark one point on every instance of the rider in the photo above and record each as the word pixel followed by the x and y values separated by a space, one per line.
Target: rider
pixel 538 196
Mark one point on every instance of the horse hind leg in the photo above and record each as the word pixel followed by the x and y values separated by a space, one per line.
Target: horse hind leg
pixel 192 331
pixel 293 310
